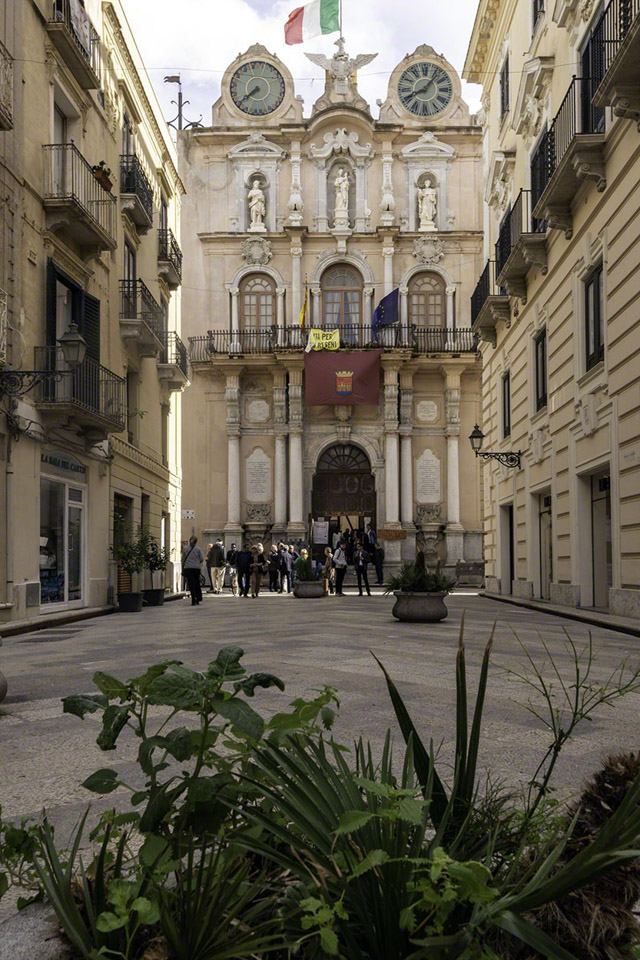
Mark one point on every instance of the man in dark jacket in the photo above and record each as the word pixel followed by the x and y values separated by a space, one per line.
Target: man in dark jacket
pixel 244 560
pixel 273 561
pixel 361 562
pixel 215 560
pixel 378 560
pixel 286 562
pixel 232 564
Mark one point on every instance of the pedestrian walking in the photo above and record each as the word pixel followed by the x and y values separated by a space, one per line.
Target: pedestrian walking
pixel 294 556
pixel 208 566
pixel 216 562
pixel 286 561
pixel 340 566
pixel 192 560
pixel 258 568
pixel 361 562
pixel 232 564
pixel 378 560
pixel 370 538
pixel 244 570
pixel 273 563
pixel 328 572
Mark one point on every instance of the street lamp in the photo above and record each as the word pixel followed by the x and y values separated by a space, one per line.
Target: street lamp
pixel 507 459
pixel 16 383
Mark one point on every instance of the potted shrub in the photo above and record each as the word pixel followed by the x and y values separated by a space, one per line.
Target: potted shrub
pixel 420 592
pixel 156 560
pixel 102 173
pixel 130 555
pixel 308 584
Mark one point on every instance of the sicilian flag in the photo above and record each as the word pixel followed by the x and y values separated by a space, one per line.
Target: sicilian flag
pixel 302 319
pixel 312 20
pixel 387 312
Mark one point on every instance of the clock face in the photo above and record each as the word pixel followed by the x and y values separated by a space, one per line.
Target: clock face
pixel 425 89
pixel 257 88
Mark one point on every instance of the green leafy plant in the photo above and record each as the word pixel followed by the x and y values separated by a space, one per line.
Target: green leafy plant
pixel 130 551
pixel 305 569
pixel 17 845
pixel 417 578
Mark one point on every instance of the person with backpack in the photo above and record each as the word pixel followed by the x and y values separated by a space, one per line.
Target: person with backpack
pixel 340 566
pixel 286 562
pixel 192 560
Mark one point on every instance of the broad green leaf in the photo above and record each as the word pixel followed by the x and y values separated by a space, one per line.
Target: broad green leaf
pixel 145 680
pixel 249 684
pixel 373 859
pixel 147 910
pixel 102 781
pixel 109 921
pixel 152 849
pixel 145 752
pixel 203 789
pixel 243 717
pixel 114 719
pixel 329 941
pixel 327 717
pixel 138 797
pixel 411 811
pixel 226 666
pixel 179 743
pixel 80 704
pixel 178 687
pixel 352 820
pixel 121 892
pixel 4 884
pixel 156 810
pixel 110 686
pixel 473 881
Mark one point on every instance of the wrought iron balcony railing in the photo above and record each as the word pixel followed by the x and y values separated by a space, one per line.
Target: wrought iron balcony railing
pixel 175 353
pixel 486 287
pixel 576 115
pixel 274 339
pixel 77 40
pixel 517 223
pixel 95 393
pixel 69 179
pixel 134 181
pixel 170 257
pixel 138 303
pixel 611 31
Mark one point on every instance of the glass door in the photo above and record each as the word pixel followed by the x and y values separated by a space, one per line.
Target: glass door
pixel 546 549
pixel 601 550
pixel 61 543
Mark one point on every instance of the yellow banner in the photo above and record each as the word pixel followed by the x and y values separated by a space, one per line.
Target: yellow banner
pixel 323 340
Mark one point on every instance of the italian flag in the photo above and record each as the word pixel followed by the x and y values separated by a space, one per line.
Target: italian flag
pixel 312 20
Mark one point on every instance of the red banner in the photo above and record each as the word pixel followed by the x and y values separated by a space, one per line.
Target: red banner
pixel 341 377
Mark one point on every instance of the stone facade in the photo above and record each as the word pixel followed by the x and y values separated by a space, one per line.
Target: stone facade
pixel 91 196
pixel 557 301
pixel 353 208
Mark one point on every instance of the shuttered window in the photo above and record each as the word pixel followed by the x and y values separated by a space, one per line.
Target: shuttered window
pixel 83 310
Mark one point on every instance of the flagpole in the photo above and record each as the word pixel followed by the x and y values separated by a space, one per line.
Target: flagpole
pixel 341 36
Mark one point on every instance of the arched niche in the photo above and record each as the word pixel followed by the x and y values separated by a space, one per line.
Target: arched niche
pixel 341 163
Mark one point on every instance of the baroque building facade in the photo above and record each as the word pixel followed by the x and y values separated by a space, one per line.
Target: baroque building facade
pixel 340 209
pixel 90 227
pixel 557 302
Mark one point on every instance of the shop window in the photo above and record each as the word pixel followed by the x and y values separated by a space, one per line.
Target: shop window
pixel 594 318
pixel 61 542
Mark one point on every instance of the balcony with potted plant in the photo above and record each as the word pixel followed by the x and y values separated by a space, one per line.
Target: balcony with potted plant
pixel 78 206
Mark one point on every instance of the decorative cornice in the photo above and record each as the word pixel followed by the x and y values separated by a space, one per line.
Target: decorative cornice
pixel 481 41
pixel 132 453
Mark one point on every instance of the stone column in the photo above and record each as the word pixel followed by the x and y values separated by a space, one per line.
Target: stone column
pixel 392 461
pixel 408 548
pixel 279 528
pixel 233 527
pixel 368 311
pixel 387 256
pixel 404 315
pixel 234 346
pixel 406 478
pixel 316 318
pixel 280 315
pixel 450 292
pixel 296 528
pixel 391 479
pixel 296 279
pixel 454 530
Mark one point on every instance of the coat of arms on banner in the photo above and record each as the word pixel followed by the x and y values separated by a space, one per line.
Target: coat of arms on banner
pixel 344 382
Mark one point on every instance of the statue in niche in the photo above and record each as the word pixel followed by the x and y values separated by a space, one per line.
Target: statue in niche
pixel 427 204
pixel 257 208
pixel 341 183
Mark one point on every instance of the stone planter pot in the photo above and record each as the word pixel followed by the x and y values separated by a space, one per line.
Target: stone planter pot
pixel 130 602
pixel 309 589
pixel 420 607
pixel 154 597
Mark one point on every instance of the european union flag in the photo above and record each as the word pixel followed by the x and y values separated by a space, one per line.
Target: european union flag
pixel 387 312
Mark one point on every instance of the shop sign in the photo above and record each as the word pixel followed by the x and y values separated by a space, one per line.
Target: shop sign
pixel 63 461
pixel 392 534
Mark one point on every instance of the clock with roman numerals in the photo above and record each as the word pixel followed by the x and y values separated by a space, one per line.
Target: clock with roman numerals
pixel 425 89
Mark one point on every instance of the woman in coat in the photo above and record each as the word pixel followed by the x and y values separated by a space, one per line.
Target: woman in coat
pixel 192 560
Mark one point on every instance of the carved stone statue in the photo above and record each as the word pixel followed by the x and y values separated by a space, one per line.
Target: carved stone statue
pixel 341 184
pixel 257 208
pixel 427 203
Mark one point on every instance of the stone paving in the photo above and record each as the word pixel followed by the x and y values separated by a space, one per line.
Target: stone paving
pixel 45 755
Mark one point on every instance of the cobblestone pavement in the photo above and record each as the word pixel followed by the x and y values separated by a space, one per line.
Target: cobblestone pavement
pixel 45 755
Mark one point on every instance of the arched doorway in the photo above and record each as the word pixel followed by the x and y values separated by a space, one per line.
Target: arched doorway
pixel 343 493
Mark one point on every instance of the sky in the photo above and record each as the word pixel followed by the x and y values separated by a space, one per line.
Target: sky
pixel 199 38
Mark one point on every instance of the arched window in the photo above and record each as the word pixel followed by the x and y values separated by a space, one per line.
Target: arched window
pixel 342 302
pixel 257 302
pixel 427 301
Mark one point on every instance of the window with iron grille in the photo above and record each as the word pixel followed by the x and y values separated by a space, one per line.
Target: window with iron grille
pixel 540 351
pixel 594 318
pixel 506 405
pixel 538 10
pixel 504 88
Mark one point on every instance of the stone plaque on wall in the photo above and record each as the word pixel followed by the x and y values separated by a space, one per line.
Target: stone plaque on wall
pixel 428 478
pixel 258 476
pixel 427 411
pixel 257 411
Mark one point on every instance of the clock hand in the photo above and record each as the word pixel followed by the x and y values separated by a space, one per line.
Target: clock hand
pixel 250 94
pixel 423 89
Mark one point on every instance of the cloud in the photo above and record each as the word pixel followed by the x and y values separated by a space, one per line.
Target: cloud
pixel 200 39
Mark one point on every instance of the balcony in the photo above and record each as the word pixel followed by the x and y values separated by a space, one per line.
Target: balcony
pixel 616 37
pixel 489 305
pixel 6 89
pixel 409 339
pixel 75 202
pixel 173 370
pixel 570 152
pixel 141 318
pixel 169 259
pixel 90 399
pixel 74 37
pixel 136 193
pixel 521 245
